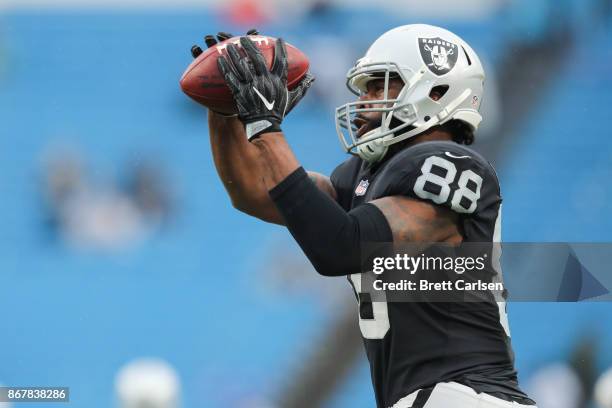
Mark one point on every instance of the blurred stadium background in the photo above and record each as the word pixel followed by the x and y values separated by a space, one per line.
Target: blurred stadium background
pixel 124 271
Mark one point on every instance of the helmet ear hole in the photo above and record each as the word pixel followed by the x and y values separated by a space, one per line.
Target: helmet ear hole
pixel 437 92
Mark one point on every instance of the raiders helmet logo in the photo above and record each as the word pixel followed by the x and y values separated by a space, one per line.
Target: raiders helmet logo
pixel 439 55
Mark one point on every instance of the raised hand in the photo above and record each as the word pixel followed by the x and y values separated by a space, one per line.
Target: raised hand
pixel 260 94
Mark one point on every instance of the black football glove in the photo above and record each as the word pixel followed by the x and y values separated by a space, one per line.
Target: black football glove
pixel 299 91
pixel 294 96
pixel 260 94
pixel 210 41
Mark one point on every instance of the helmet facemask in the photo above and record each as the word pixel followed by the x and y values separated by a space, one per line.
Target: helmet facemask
pixel 397 118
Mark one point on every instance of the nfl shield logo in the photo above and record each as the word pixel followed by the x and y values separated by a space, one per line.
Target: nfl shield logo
pixel 439 55
pixel 362 188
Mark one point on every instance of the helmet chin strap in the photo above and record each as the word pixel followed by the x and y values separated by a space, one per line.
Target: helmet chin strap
pixel 373 150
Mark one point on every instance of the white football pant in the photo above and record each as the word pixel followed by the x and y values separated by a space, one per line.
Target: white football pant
pixel 455 395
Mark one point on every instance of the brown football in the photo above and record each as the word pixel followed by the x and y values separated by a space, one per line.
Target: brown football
pixel 203 82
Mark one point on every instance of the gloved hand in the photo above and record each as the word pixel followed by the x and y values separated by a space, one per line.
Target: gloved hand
pixel 260 94
pixel 210 41
pixel 294 96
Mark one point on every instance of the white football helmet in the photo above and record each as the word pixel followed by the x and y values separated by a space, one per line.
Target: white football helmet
pixel 148 382
pixel 424 57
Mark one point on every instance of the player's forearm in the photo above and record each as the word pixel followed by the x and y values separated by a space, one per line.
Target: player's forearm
pixel 277 158
pixel 278 162
pixel 331 238
pixel 240 168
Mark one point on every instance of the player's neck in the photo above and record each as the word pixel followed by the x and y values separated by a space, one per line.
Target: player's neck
pixel 431 135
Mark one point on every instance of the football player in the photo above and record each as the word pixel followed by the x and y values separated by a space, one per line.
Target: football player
pixel 410 179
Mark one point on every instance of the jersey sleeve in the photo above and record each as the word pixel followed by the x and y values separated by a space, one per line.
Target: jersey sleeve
pixel 342 178
pixel 444 174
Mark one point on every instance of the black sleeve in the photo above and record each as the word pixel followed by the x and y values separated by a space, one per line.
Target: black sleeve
pixel 342 178
pixel 331 238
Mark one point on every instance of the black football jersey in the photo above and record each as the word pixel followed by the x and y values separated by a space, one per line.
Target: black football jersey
pixel 411 345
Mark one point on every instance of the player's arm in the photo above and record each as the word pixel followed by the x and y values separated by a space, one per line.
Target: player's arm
pixel 329 236
pixel 414 220
pixel 237 161
pixel 333 239
pixel 241 169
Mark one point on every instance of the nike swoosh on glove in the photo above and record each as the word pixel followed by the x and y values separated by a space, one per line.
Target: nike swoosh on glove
pixel 261 95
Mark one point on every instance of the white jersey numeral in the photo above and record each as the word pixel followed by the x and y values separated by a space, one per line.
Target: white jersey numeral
pixel 442 182
pixel 463 192
pixel 377 327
